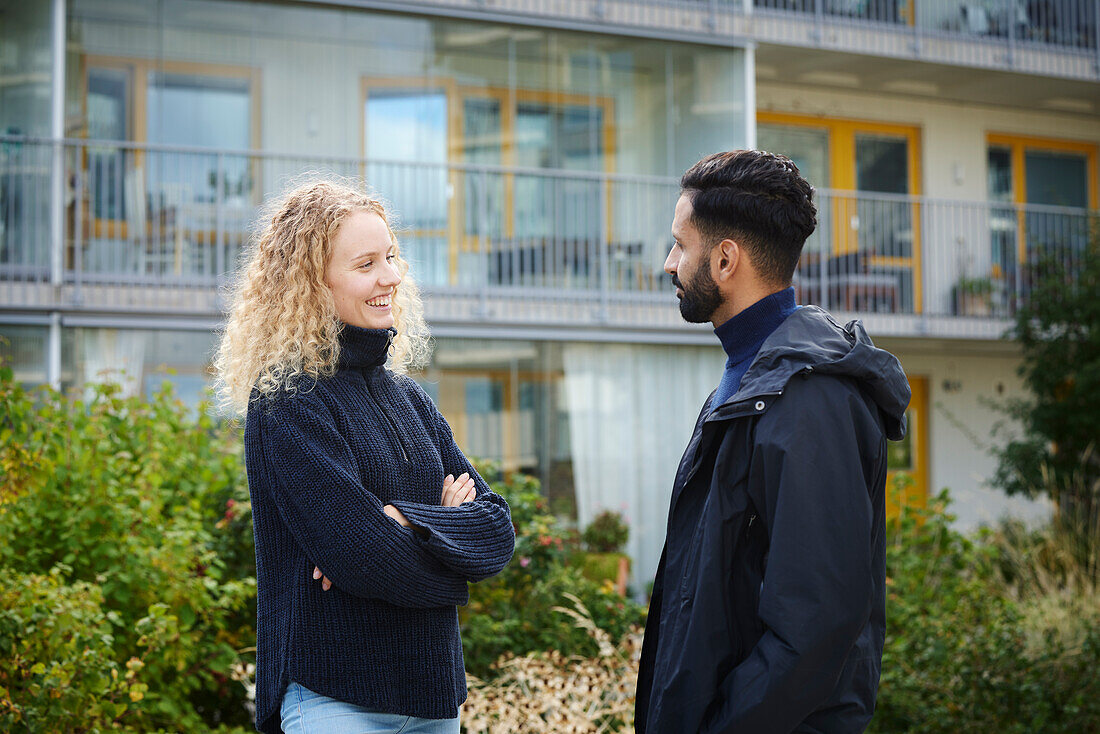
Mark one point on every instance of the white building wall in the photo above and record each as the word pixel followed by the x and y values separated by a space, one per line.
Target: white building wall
pixel 963 387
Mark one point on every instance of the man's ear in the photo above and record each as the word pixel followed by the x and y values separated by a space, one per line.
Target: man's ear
pixel 726 257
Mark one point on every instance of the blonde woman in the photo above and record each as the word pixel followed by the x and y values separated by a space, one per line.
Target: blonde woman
pixel 368 519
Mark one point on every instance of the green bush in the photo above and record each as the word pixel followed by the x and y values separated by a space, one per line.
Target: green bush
pixel 513 612
pixel 960 655
pixel 60 671
pixel 115 512
pixel 1052 443
pixel 607 533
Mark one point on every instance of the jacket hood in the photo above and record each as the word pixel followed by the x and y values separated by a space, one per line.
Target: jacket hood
pixel 810 340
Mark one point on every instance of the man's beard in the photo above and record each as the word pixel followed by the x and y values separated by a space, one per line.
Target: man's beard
pixel 701 296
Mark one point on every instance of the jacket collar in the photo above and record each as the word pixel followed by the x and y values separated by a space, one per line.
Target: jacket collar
pixel 810 340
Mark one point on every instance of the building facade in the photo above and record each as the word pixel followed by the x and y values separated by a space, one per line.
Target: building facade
pixel 531 153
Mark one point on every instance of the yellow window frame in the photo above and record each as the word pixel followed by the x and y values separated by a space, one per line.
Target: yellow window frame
pixel 916 495
pixel 841 135
pixel 1019 146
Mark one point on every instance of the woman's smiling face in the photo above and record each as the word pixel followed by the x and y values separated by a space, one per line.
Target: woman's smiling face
pixel 362 271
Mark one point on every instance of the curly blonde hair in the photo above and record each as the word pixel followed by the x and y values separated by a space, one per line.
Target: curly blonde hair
pixel 282 321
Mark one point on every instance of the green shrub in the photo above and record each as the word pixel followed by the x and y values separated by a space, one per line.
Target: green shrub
pixel 121 503
pixel 959 653
pixel 601 567
pixel 607 533
pixel 60 671
pixel 1051 445
pixel 513 612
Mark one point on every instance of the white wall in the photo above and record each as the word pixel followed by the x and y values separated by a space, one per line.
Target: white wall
pixel 961 385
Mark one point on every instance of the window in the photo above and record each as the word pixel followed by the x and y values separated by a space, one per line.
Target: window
pixel 151 209
pixel 868 234
pixel 202 111
pixel 23 349
pixel 1046 188
pixel 140 360
pixel 519 219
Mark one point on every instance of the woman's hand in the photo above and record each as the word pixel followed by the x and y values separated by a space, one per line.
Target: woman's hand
pixel 458 491
pixel 325 583
pixel 397 515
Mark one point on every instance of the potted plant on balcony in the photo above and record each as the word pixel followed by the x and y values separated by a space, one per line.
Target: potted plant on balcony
pixel 972 296
pixel 603 559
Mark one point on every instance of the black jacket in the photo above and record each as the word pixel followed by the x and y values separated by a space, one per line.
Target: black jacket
pixel 768 610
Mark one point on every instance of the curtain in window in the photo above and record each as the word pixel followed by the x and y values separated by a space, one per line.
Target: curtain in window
pixel 114 355
pixel 631 412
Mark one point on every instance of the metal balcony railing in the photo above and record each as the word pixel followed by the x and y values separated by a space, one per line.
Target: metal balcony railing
pixel 1049 37
pixel 154 229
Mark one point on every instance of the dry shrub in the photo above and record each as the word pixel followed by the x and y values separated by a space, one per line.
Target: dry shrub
pixel 1042 571
pixel 548 692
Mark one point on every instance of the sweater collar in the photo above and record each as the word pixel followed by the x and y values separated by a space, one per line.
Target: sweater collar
pixel 364 348
pixel 742 335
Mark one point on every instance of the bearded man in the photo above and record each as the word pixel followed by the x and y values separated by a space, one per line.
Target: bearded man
pixel 768 609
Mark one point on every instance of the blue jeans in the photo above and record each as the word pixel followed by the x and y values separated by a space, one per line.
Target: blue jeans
pixel 306 712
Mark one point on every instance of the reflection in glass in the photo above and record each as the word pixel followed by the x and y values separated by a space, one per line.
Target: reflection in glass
pixel 26 67
pixel 206 112
pixel 882 166
pixel 108 114
pixel 560 137
pixel 503 401
pixel 436 93
pixel 483 190
pixel 410 126
pixel 23 349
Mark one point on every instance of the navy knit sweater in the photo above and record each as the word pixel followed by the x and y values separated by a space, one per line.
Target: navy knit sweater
pixel 744 334
pixel 322 462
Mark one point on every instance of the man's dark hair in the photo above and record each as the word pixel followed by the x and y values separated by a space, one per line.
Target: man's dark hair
pixel 757 199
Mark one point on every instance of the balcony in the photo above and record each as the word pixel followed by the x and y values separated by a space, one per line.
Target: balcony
pixel 1056 38
pixel 152 231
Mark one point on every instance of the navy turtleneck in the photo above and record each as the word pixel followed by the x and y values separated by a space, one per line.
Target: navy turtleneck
pixel 744 334
pixel 364 348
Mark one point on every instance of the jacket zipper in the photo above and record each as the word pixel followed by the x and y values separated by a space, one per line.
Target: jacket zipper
pixel 389 422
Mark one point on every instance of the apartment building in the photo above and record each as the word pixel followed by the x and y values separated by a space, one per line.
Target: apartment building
pixel 531 152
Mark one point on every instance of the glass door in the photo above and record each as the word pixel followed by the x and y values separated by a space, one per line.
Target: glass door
pixel 481 220
pixel 1058 180
pixel 560 216
pixel 884 225
pixel 199 203
pixel 406 140
pixel 865 251
pixel 108 115
pixel 809 149
pixel 1042 191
